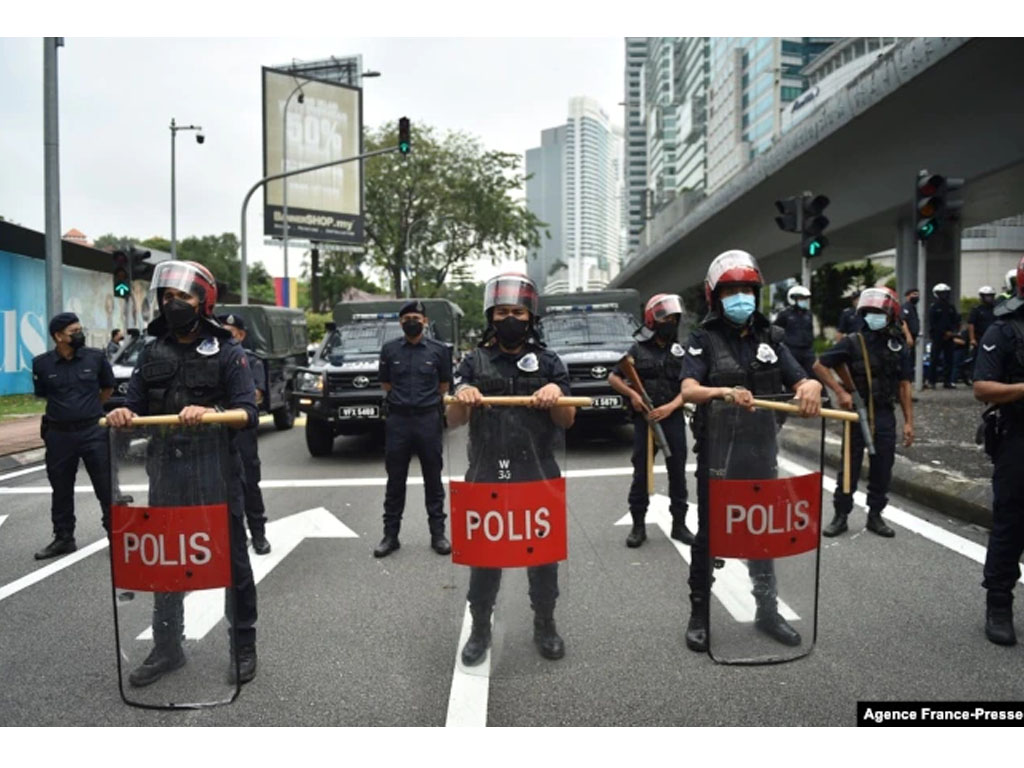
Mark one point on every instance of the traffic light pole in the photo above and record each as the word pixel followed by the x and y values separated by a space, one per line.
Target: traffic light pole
pixel 51 133
pixel 922 262
pixel 275 177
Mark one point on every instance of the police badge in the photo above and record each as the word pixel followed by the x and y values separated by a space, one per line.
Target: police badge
pixel 209 347
pixel 528 363
pixel 677 349
pixel 766 354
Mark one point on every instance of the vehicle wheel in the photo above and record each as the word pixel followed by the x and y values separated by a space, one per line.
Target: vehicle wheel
pixel 319 437
pixel 284 417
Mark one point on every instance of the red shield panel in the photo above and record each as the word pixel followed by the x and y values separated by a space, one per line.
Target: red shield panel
pixel 170 549
pixel 508 525
pixel 763 519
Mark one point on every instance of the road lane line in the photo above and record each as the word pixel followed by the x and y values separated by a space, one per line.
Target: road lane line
pixel 467 700
pixel 55 567
pixel 21 472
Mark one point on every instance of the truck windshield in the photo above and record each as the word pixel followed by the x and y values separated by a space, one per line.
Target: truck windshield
pixel 129 356
pixel 587 329
pixel 361 338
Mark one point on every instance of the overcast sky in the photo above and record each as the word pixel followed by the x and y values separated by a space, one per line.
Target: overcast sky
pixel 117 97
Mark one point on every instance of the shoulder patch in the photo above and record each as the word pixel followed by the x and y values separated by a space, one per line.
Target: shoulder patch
pixel 528 363
pixel 210 347
pixel 895 345
pixel 677 349
pixel 988 347
pixel 695 350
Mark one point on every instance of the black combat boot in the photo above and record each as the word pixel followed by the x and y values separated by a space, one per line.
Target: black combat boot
pixel 697 627
pixel 545 636
pixel 768 620
pixel 246 665
pixel 877 525
pixel 59 546
pixel 439 542
pixel 479 637
pixel 387 545
pixel 837 526
pixel 162 659
pixel 680 532
pixel 638 535
pixel 999 618
pixel 260 545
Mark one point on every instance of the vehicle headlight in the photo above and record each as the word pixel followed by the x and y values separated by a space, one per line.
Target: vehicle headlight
pixel 311 382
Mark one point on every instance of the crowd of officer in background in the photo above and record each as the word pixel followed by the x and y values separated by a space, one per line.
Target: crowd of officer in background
pixel 734 352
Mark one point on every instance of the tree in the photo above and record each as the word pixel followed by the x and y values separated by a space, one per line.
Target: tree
pixel 470 298
pixel 830 283
pixel 446 203
pixel 340 270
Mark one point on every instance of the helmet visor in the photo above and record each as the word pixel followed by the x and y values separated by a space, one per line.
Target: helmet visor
pixel 665 306
pixel 516 290
pixel 180 276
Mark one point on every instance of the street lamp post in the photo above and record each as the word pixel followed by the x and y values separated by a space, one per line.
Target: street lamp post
pixel 200 138
pixel 284 167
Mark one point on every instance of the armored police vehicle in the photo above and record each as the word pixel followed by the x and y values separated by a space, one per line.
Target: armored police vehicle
pixel 591 331
pixel 340 391
pixel 278 336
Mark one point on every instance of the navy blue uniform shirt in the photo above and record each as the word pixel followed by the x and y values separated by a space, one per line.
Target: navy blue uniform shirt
pixel 234 373
pixel 850 321
pixel 72 387
pixel 913 321
pixel 549 365
pixel 415 371
pixel 799 327
pixel 743 349
pixel 942 318
pixel 981 317
pixel 259 373
pixel 848 348
pixel 996 350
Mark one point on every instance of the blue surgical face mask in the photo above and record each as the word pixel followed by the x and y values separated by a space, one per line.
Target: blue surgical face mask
pixel 876 321
pixel 738 308
pixel 803 303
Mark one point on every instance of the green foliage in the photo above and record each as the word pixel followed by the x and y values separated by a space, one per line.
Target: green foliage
pixel 446 203
pixel 470 298
pixel 829 283
pixel 340 270
pixel 14 405
pixel 316 322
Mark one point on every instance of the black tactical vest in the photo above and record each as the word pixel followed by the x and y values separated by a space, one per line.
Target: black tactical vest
pixel 885 369
pixel 1014 412
pixel 176 375
pixel 760 377
pixel 658 370
pixel 519 435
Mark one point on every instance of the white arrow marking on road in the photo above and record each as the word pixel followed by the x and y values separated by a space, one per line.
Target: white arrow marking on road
pixel 467 701
pixel 48 570
pixel 732 583
pixel 203 610
pixel 2 518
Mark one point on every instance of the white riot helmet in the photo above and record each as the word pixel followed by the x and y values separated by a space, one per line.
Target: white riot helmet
pixel 940 288
pixel 1010 281
pixel 986 290
pixel 797 292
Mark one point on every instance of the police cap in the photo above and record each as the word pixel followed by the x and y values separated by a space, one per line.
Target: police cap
pixel 413 306
pixel 62 321
pixel 236 321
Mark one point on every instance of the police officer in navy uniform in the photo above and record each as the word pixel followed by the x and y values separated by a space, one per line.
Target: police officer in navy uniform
pixel 911 319
pixel 511 360
pixel 114 345
pixel 75 380
pixel 416 373
pixel 891 371
pixel 943 324
pixel 192 367
pixel 999 381
pixel 246 442
pixel 737 353
pixel 980 319
pixel 849 320
pixel 798 324
pixel 657 357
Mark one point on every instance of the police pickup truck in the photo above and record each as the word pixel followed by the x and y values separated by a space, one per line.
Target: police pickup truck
pixel 340 390
pixel 591 331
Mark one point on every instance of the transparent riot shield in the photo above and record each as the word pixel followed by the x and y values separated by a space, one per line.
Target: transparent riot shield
pixel 764 522
pixel 170 559
pixel 509 539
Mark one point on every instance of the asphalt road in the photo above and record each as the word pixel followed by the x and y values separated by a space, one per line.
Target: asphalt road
pixel 348 640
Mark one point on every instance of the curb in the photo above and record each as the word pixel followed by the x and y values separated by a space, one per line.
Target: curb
pixel 17 460
pixel 959 497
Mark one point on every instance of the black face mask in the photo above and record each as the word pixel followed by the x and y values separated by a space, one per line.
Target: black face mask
pixel 667 331
pixel 180 315
pixel 412 328
pixel 77 340
pixel 511 331
pixel 915 299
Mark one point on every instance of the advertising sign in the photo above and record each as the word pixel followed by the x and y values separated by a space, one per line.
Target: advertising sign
pixel 324 123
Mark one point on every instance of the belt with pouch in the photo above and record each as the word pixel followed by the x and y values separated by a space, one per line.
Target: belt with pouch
pixel 71 426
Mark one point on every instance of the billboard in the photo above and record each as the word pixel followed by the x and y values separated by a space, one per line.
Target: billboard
pixel 324 205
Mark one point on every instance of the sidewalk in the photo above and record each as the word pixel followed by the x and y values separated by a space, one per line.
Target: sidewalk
pixel 943 469
pixel 20 443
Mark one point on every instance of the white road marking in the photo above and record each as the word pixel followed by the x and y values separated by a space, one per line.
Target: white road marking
pixel 467 700
pixel 21 472
pixel 2 518
pixel 48 570
pixel 203 610
pixel 732 583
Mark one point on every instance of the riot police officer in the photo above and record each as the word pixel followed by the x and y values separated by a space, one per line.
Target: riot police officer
pixel 910 317
pixel 737 353
pixel 798 323
pixel 192 367
pixel 943 324
pixel 246 442
pixel 849 320
pixel 981 317
pixel 657 357
pixel 416 373
pixel 75 380
pixel 881 369
pixel 511 360
pixel 999 381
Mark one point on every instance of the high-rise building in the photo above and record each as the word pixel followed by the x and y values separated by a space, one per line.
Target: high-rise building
pixel 753 80
pixel 589 254
pixel 636 143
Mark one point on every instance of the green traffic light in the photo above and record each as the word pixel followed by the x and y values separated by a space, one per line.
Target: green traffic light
pixel 814 247
pixel 121 290
pixel 403 147
pixel 927 229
